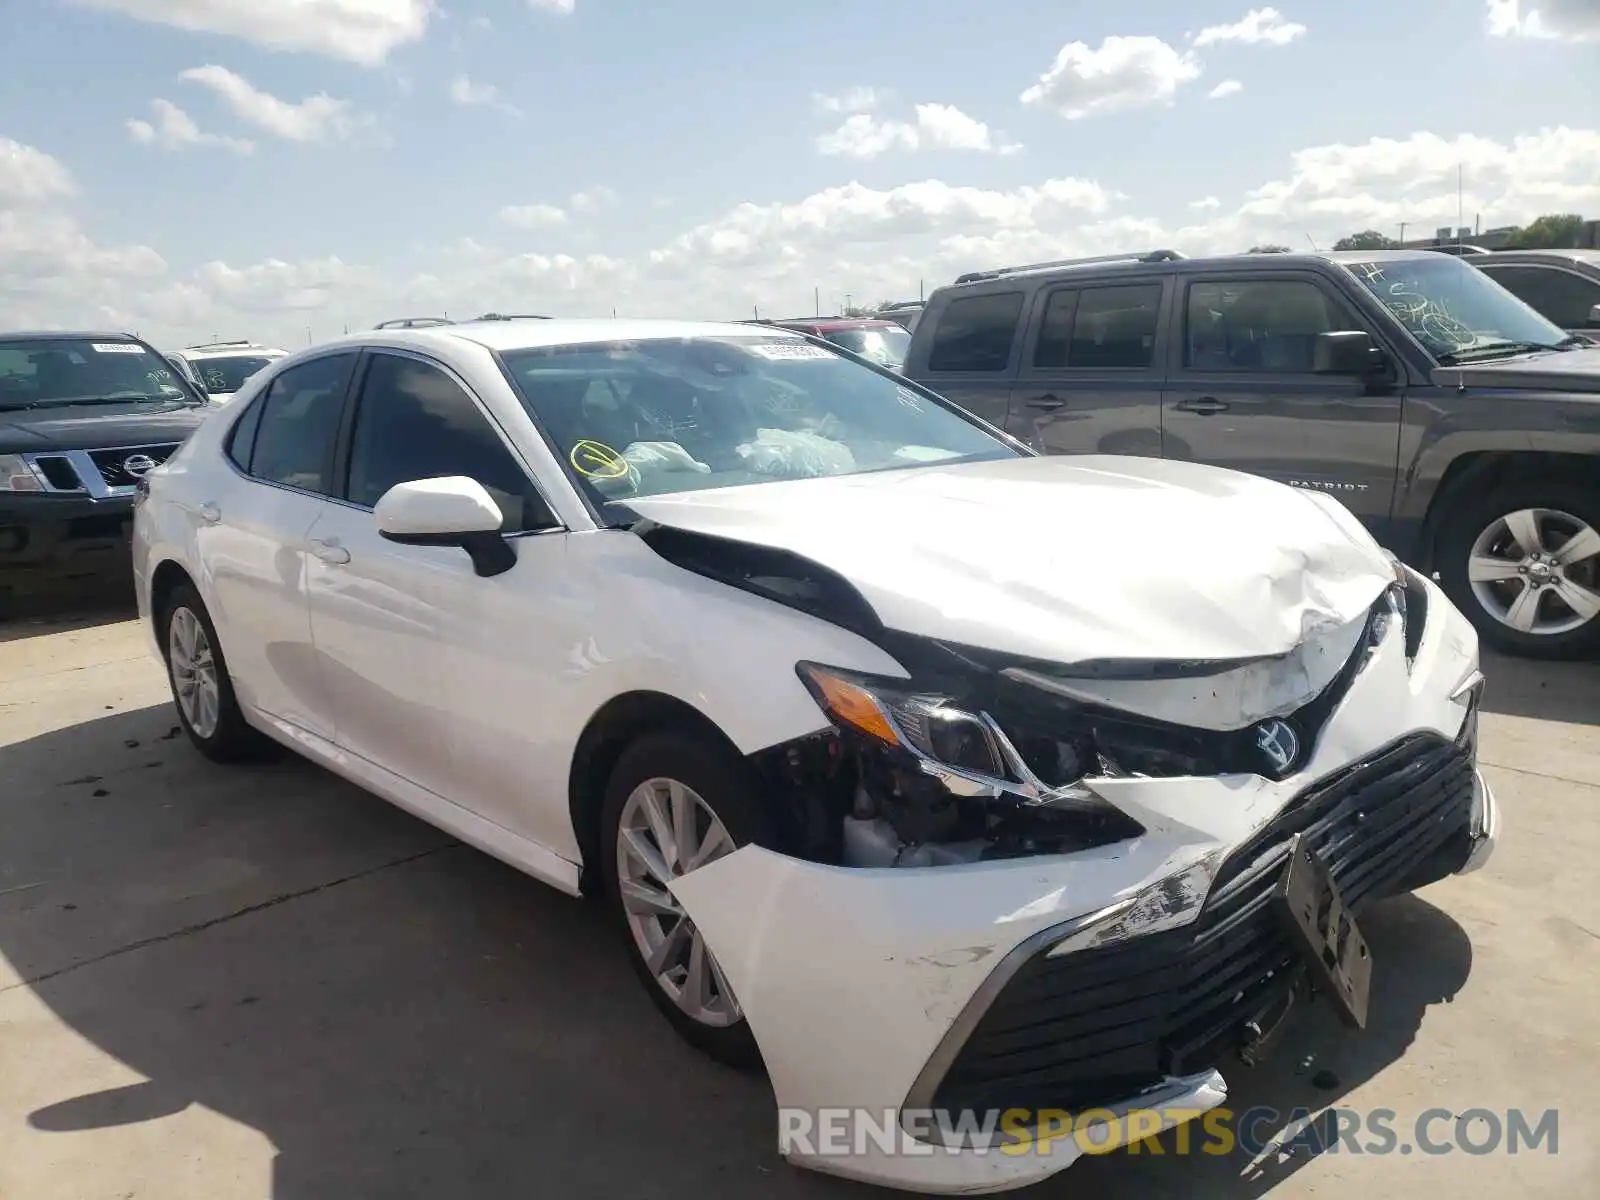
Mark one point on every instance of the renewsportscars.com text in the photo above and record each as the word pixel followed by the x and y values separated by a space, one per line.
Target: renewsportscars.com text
pixel 843 1132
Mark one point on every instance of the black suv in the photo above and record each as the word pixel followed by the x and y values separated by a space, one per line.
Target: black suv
pixel 1562 285
pixel 82 417
pixel 1457 423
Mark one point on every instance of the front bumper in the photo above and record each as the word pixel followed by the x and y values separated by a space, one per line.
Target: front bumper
pixel 37 528
pixel 901 990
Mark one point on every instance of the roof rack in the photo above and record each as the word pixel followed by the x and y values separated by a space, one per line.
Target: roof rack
pixel 493 316
pixel 413 323
pixel 1147 256
pixel 221 345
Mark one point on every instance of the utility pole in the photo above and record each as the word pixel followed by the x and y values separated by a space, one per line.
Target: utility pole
pixel 1403 225
pixel 816 300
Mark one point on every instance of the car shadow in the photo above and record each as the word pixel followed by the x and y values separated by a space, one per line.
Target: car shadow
pixel 400 1015
pixel 1566 691
pixel 59 600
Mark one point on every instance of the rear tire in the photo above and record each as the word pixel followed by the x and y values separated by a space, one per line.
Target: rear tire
pixel 663 784
pixel 1523 563
pixel 208 710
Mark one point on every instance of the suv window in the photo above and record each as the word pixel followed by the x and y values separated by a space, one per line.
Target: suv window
pixel 975 333
pixel 1256 325
pixel 1100 327
pixel 299 423
pixel 413 421
pixel 1557 295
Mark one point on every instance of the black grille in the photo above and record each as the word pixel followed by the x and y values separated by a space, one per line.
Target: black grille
pixel 112 463
pixel 58 472
pixel 1098 1024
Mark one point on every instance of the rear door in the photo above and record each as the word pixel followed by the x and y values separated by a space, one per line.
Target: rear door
pixel 1241 392
pixel 972 350
pixel 1092 369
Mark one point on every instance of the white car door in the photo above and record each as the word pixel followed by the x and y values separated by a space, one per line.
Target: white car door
pixel 412 639
pixel 253 540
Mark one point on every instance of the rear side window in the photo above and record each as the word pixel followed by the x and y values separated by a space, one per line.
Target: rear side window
pixel 1561 297
pixel 242 440
pixel 975 333
pixel 299 423
pixel 1115 327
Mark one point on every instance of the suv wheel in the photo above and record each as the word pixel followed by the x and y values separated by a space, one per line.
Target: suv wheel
pixel 1524 564
pixel 675 803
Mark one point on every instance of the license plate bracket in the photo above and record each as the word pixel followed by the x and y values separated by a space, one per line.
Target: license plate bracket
pixel 1326 934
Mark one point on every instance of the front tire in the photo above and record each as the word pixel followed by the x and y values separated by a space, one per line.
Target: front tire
pixel 675 802
pixel 1523 563
pixel 207 707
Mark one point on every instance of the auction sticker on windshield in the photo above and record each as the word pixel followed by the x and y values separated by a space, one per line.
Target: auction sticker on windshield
pixel 787 350
pixel 116 348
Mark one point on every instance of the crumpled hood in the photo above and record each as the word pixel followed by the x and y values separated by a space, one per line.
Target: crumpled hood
pixel 1068 559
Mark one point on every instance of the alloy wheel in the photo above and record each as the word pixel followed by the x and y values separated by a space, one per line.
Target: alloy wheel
pixel 1537 571
pixel 194 672
pixel 667 830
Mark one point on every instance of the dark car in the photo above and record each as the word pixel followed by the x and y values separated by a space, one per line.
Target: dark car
pixel 1457 423
pixel 83 416
pixel 882 342
pixel 1562 285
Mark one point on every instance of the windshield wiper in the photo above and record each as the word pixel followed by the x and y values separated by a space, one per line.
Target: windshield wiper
pixel 114 398
pixel 1502 350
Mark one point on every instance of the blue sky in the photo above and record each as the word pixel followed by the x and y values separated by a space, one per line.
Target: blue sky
pixel 425 174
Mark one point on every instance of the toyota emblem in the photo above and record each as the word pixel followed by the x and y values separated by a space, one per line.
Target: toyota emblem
pixel 138 465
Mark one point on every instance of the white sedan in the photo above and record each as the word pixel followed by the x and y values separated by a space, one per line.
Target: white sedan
pixel 940 779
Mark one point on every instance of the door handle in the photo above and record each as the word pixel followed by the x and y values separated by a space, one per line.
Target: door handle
pixel 1204 405
pixel 1047 403
pixel 330 552
pixel 210 513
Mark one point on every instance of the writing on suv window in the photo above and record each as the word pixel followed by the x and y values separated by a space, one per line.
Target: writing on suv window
pixel 56 372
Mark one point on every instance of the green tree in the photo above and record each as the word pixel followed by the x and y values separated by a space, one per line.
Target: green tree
pixel 1367 239
pixel 1555 231
pixel 1269 248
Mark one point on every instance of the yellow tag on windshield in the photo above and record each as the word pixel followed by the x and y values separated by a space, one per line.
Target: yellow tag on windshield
pixel 595 460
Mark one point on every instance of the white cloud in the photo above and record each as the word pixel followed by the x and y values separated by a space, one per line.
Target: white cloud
pixel 564 7
pixel 28 175
pixel 359 31
pixel 877 243
pixel 1573 20
pixel 1259 26
pixel 593 199
pixel 485 95
pixel 1228 87
pixel 1122 73
pixel 532 216
pixel 852 100
pixel 174 129
pixel 318 118
pixel 935 127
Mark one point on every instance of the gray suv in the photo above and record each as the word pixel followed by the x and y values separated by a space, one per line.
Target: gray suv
pixel 1562 285
pixel 1457 423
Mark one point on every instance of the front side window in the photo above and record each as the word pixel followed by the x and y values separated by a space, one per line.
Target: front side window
pixel 675 415
pixel 975 333
pixel 299 423
pixel 413 421
pixel 1561 297
pixel 1257 325
pixel 57 372
pixel 227 375
pixel 1453 309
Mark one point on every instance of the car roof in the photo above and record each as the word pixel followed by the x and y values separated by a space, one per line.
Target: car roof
pixel 563 331
pixel 835 324
pixel 231 352
pixel 1568 255
pixel 68 335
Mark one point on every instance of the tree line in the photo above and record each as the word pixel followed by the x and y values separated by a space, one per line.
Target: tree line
pixel 1554 231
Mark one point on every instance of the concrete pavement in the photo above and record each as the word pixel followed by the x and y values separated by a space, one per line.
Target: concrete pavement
pixel 221 984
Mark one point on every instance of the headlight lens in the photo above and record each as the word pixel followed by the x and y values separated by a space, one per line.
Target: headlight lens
pixel 17 476
pixel 966 751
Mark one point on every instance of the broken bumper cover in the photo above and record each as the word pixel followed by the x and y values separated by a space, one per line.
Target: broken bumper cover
pixel 1117 978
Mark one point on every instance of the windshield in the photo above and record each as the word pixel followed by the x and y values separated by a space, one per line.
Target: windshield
pixel 885 346
pixel 222 375
pixel 647 418
pixel 1455 310
pixel 58 371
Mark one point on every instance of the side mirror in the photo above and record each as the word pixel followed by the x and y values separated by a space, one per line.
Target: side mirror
pixel 1348 352
pixel 452 511
pixel 1594 317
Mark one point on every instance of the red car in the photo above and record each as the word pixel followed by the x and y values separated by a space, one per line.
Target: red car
pixel 883 342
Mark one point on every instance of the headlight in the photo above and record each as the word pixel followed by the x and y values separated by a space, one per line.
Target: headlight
pixel 17 476
pixel 965 751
